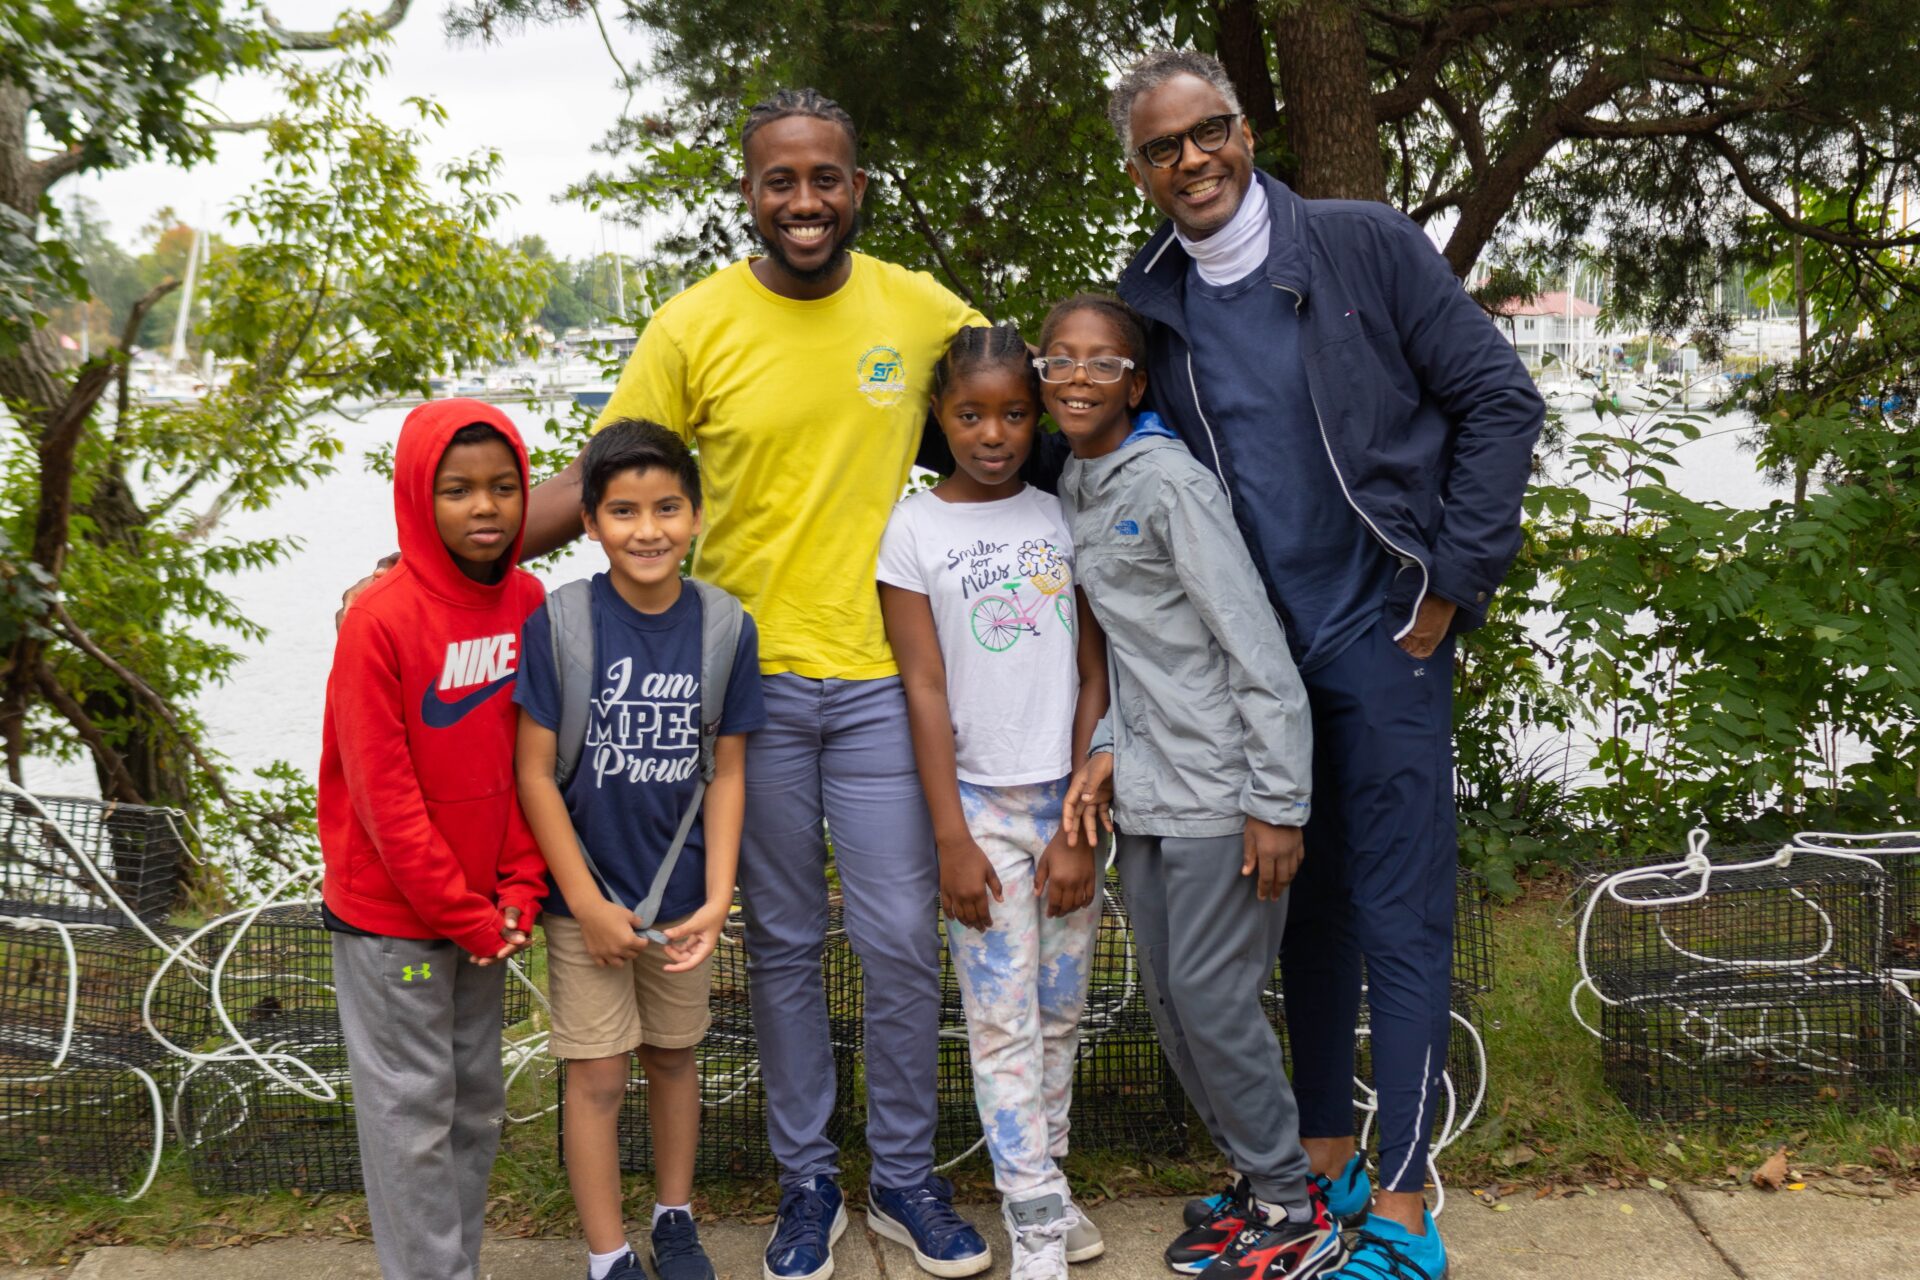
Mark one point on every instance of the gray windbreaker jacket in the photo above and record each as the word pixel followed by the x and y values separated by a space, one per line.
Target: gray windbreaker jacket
pixel 1209 721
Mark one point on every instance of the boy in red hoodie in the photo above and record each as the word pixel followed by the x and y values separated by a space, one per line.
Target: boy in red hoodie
pixel 432 876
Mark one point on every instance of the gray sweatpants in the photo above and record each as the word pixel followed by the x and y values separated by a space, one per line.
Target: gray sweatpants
pixel 1206 948
pixel 835 755
pixel 422 1026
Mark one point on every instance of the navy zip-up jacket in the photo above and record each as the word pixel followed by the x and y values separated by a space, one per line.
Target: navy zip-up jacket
pixel 1426 412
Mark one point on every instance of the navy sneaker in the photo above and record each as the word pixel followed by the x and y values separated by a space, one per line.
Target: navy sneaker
pixel 1204 1209
pixel 1350 1196
pixel 922 1218
pixel 1385 1250
pixel 1228 1214
pixel 628 1268
pixel 812 1218
pixel 676 1250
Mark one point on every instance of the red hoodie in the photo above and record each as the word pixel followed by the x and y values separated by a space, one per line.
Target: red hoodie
pixel 419 821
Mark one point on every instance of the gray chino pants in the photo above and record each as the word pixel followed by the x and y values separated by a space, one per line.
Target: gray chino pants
pixel 837 752
pixel 422 1027
pixel 1206 948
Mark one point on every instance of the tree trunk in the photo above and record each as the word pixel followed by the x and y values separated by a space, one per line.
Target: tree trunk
pixel 1322 64
pixel 1242 45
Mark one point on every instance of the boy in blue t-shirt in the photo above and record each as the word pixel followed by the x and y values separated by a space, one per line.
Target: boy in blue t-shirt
pixel 613 992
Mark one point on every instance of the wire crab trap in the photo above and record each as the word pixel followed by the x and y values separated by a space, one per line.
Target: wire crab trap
pixel 89 1125
pixel 1472 935
pixel 733 1098
pixel 246 1130
pixel 78 989
pixel 273 970
pixel 1463 1080
pixel 1747 990
pixel 51 848
pixel 1125 1094
pixel 1899 853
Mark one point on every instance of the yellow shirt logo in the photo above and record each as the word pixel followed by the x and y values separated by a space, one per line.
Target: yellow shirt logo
pixel 882 375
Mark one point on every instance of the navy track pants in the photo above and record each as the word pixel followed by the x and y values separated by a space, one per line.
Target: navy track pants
pixel 1377 884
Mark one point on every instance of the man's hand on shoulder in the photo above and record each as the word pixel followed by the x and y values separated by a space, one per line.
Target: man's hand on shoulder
pixel 1272 855
pixel 1429 626
pixel 352 593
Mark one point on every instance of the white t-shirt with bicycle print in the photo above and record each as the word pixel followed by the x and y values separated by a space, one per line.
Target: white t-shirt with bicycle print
pixel 999 578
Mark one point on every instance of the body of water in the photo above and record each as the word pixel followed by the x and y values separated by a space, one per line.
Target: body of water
pixel 270 709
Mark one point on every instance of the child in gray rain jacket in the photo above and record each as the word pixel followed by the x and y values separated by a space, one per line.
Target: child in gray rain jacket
pixel 1208 751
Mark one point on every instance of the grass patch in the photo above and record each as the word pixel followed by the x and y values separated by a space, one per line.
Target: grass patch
pixel 1549 1124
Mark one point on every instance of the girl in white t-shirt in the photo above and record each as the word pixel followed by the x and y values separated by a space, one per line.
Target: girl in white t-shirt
pixel 1005 676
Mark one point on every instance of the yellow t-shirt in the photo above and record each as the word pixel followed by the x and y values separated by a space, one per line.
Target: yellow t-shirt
pixel 806 416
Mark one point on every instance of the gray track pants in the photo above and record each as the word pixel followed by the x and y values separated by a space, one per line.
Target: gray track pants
pixel 422 1025
pixel 1206 948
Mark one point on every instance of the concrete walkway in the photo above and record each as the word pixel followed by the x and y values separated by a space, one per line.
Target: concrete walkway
pixel 1618 1235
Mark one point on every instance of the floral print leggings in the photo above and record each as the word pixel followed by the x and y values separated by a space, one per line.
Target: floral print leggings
pixel 1024 983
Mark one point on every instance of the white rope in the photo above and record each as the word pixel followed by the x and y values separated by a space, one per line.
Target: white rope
pixel 241 1048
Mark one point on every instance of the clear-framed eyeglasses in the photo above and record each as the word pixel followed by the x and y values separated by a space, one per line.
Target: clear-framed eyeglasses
pixel 1209 135
pixel 1099 368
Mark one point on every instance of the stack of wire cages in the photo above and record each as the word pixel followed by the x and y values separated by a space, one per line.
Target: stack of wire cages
pixel 253 1121
pixel 1750 987
pixel 733 1097
pixel 1125 1094
pixel 50 846
pixel 271 1107
pixel 80 1064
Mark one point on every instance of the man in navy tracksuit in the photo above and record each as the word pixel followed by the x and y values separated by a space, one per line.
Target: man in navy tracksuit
pixel 1375 434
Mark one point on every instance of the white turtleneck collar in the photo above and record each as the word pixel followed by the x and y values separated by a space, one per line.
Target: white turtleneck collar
pixel 1238 249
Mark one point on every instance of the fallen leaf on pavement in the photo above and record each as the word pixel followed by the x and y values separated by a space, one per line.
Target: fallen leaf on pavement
pixel 1771 1174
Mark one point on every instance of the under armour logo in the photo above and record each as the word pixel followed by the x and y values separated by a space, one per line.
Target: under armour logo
pixel 425 971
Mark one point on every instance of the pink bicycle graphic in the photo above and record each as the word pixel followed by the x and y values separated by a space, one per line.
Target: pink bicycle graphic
pixel 1000 620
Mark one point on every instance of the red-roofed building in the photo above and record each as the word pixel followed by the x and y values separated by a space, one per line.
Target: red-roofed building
pixel 1553 324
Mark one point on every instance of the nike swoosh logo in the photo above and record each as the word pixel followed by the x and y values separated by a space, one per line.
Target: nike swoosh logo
pixel 444 715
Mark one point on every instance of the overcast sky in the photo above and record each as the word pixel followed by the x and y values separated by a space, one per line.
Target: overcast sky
pixel 541 98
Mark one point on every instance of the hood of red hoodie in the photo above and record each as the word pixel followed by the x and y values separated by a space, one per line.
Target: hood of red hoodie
pixel 416 456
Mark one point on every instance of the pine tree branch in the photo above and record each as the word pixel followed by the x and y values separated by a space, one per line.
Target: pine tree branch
pixel 1743 174
pixel 932 237
pixel 55 167
pixel 313 41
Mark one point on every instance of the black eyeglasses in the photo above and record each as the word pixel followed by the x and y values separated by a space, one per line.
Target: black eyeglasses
pixel 1209 135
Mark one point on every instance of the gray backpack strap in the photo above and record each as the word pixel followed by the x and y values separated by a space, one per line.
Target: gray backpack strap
pixel 720 622
pixel 570 623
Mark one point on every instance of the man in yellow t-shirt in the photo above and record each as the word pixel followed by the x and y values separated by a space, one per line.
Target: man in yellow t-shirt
pixel 801 376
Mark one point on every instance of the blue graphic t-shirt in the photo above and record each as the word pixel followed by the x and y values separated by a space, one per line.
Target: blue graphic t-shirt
pixel 642 755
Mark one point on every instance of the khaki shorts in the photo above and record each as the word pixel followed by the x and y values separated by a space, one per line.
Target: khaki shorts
pixel 603 1012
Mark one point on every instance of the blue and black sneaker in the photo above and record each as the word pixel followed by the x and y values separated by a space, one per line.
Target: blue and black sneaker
pixel 676 1250
pixel 1385 1250
pixel 1350 1196
pixel 922 1218
pixel 812 1216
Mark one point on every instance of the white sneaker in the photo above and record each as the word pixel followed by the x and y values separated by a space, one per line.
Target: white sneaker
pixel 1037 1230
pixel 1084 1242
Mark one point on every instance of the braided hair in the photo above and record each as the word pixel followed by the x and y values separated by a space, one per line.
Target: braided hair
pixel 980 347
pixel 808 102
pixel 1125 321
